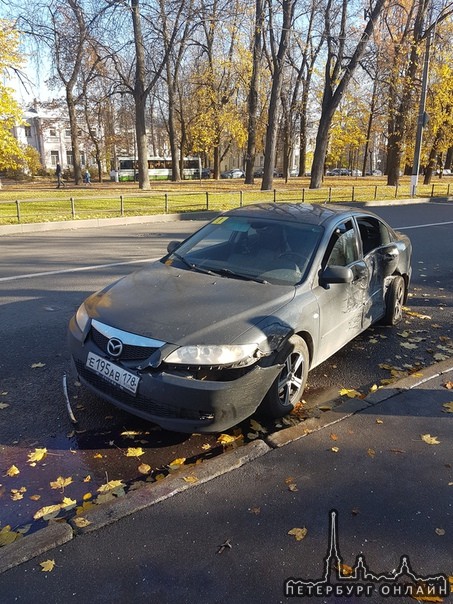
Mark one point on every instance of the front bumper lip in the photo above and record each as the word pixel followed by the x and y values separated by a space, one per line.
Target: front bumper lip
pixel 179 403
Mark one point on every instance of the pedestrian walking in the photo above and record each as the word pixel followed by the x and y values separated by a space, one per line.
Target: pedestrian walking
pixel 87 177
pixel 60 182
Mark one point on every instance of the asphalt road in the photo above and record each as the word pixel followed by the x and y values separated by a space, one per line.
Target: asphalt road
pixel 45 276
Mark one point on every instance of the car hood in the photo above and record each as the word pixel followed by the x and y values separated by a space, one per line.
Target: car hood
pixel 184 307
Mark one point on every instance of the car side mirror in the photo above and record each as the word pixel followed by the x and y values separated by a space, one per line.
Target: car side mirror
pixel 336 274
pixel 172 246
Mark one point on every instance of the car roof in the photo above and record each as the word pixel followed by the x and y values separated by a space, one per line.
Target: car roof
pixel 301 212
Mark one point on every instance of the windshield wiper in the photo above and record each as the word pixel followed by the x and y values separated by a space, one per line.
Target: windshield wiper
pixel 227 272
pixel 192 266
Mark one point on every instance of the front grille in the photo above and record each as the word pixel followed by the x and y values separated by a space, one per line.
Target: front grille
pixel 138 402
pixel 130 352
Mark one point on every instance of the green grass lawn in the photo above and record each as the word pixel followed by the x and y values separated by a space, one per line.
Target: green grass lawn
pixel 40 201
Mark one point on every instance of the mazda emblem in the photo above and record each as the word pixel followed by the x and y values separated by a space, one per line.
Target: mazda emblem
pixel 114 347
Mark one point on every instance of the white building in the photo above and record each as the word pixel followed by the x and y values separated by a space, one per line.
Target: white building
pixel 47 130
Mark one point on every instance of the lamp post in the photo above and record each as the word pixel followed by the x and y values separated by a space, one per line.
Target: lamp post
pixel 422 117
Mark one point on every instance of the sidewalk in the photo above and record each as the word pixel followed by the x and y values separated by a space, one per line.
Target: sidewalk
pixel 226 538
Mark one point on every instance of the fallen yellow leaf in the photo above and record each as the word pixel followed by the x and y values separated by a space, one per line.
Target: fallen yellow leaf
pixel 226 439
pixel 37 455
pixel 68 503
pixel 7 536
pixel 61 482
pixel 112 485
pixel 47 512
pixel 38 365
pixel 430 440
pixel 299 533
pixel 13 471
pixel 4 405
pixel 144 468
pixel 345 570
pixel 130 434
pixel 190 479
pixel 206 447
pixel 134 452
pixel 17 494
pixel 47 566
pixel 87 478
pixel 350 392
pixel 176 463
pixel 448 408
pixel 412 313
pixel 81 522
pixel 371 452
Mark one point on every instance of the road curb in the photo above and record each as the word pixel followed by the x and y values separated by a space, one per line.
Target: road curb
pixel 153 493
pixel 39 227
pixel 57 533
pixel 22 550
pixel 352 406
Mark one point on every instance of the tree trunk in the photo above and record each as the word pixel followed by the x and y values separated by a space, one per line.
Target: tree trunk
pixel 332 96
pixel 253 94
pixel 140 99
pixel 399 117
pixel 277 79
pixel 74 136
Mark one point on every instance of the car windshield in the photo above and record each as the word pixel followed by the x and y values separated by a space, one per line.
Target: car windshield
pixel 269 251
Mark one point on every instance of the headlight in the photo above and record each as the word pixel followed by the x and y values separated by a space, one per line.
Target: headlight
pixel 214 355
pixel 82 317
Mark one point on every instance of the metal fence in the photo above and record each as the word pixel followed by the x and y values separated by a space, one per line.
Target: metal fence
pixel 148 203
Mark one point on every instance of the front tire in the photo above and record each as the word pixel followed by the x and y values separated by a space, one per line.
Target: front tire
pixel 289 385
pixel 394 301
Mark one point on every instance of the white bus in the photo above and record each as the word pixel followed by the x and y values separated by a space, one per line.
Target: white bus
pixel 159 168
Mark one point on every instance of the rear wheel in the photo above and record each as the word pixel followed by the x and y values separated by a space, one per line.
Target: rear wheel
pixel 394 301
pixel 289 385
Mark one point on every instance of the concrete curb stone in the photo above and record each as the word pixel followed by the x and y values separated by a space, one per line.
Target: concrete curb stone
pixel 153 493
pixel 22 550
pixel 38 227
pixel 57 533
pixel 352 406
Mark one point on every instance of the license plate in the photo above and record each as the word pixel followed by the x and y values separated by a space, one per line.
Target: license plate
pixel 113 373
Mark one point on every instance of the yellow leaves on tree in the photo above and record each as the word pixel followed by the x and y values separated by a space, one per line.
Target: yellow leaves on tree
pixel 11 153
